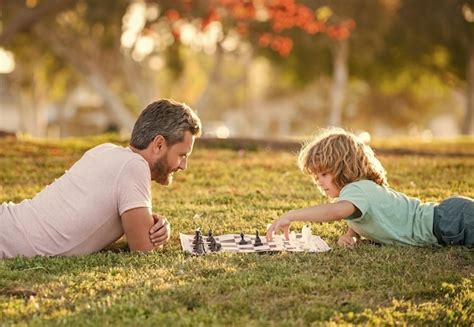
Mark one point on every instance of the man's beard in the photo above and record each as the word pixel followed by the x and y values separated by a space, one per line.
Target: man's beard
pixel 162 172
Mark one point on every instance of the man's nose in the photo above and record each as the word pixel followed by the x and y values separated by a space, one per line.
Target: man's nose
pixel 183 164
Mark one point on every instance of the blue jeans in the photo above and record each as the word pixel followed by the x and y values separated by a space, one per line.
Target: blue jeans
pixel 453 221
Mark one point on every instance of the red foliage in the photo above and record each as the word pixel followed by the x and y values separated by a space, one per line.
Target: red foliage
pixel 173 15
pixel 212 16
pixel 282 15
pixel 342 31
pixel 281 44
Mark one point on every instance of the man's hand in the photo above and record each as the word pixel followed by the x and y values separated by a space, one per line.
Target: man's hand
pixel 347 241
pixel 282 223
pixel 160 232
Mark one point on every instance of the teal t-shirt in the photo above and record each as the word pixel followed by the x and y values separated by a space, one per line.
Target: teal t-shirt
pixel 389 217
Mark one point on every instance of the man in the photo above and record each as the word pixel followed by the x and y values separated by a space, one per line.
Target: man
pixel 106 193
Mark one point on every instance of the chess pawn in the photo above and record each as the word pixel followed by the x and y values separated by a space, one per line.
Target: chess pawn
pixel 200 248
pixel 210 235
pixel 258 241
pixel 306 236
pixel 197 236
pixel 242 241
pixel 292 236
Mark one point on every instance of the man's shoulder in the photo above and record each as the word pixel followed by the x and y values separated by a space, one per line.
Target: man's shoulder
pixel 104 147
pixel 109 149
pixel 115 155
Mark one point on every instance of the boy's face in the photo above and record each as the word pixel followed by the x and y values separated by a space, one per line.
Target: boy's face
pixel 325 182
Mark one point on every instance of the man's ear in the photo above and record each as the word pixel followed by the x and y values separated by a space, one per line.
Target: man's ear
pixel 159 143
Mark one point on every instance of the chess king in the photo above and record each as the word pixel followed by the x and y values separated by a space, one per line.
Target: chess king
pixel 107 193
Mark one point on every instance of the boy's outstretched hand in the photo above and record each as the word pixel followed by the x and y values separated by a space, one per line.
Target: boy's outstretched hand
pixel 283 223
pixel 160 232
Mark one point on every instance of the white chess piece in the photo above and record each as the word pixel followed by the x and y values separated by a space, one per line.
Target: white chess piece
pixel 306 234
pixel 279 241
pixel 306 237
pixel 292 236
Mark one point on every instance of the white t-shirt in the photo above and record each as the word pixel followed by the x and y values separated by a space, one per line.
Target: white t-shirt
pixel 79 213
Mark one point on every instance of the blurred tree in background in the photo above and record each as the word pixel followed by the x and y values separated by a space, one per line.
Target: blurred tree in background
pixel 375 61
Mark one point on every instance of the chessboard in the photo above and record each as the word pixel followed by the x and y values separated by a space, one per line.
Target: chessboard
pixel 232 243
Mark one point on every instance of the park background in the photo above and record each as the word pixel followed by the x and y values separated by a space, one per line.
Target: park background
pixel 263 76
pixel 272 69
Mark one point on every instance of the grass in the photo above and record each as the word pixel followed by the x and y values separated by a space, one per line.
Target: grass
pixel 232 191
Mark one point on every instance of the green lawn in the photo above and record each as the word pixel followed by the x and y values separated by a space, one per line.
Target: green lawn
pixel 232 191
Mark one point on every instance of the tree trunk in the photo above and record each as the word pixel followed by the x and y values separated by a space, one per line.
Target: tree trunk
pixel 139 80
pixel 214 76
pixel 468 123
pixel 339 82
pixel 119 114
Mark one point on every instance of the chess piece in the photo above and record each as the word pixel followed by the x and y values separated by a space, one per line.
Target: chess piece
pixel 197 236
pixel 292 236
pixel 214 246
pixel 242 241
pixel 199 247
pixel 258 241
pixel 306 238
pixel 212 242
pixel 210 235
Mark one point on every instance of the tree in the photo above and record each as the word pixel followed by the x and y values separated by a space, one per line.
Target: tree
pixel 450 26
pixel 438 46
pixel 100 47
pixel 275 25
pixel 93 28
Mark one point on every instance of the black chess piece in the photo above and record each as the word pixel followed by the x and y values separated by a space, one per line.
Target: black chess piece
pixel 197 236
pixel 210 237
pixel 258 241
pixel 214 246
pixel 199 247
pixel 242 241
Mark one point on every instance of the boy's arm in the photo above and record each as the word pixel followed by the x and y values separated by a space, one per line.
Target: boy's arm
pixel 323 212
pixel 320 213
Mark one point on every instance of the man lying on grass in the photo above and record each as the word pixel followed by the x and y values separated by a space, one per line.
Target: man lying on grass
pixel 106 193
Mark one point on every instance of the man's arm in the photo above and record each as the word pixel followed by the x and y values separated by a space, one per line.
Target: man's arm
pixel 136 224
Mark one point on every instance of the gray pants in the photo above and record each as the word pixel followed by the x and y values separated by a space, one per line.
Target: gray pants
pixel 453 221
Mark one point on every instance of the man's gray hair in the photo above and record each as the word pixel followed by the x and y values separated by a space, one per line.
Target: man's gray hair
pixel 167 118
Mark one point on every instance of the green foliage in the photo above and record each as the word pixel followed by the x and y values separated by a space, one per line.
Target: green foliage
pixel 232 191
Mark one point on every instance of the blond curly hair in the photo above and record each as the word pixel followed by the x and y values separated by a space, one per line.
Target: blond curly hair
pixel 342 154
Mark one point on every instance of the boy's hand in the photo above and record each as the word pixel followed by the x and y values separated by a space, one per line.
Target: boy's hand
pixel 160 232
pixel 347 241
pixel 282 223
